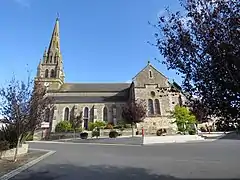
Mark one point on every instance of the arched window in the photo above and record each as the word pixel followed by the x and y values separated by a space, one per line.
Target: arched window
pixel 66 114
pixel 46 73
pixel 105 114
pixel 157 106
pixel 150 107
pixel 52 73
pixel 85 114
pixel 47 115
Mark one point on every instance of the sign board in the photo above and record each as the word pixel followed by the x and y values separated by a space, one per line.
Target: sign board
pixel 45 125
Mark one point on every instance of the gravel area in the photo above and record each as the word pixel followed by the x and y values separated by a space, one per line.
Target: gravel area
pixel 7 166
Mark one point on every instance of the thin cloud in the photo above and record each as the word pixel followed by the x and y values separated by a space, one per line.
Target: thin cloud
pixel 24 3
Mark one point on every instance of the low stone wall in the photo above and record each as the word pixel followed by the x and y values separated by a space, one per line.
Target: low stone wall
pixel 10 153
pixel 171 139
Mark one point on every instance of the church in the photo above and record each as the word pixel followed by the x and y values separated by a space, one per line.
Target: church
pixel 104 101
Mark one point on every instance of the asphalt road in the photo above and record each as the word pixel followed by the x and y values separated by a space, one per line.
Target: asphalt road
pixel 205 160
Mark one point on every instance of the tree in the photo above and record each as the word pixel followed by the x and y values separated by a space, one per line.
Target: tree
pixel 76 121
pixel 134 112
pixel 198 109
pixel 203 46
pixel 23 107
pixel 185 120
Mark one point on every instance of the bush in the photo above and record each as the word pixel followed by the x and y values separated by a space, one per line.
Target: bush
pixel 63 126
pixel 95 133
pixel 99 124
pixel 109 126
pixel 4 145
pixel 78 130
pixel 84 135
pixel 161 132
pixel 113 134
pixel 192 132
pixel 8 133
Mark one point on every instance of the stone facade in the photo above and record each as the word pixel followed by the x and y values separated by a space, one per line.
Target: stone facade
pixel 104 101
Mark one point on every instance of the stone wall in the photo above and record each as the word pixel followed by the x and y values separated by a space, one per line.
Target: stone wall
pixel 152 124
pixel 60 108
pixel 149 75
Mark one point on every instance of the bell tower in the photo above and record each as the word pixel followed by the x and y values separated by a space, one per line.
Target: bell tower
pixel 50 68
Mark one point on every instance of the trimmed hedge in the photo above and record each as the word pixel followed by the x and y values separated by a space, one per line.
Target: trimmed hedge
pixel 84 135
pixel 63 126
pixel 113 134
pixel 160 132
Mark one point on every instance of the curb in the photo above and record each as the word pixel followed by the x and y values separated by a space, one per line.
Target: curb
pixel 88 143
pixel 26 166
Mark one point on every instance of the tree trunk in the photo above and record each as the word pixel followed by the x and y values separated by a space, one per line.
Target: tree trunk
pixel 132 130
pixel 16 150
pixel 74 134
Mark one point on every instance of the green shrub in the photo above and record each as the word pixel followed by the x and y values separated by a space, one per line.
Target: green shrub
pixel 113 134
pixel 4 145
pixel 78 130
pixel 192 132
pixel 63 126
pixel 99 124
pixel 84 135
pixel 95 133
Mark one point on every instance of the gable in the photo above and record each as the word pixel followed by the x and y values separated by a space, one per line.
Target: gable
pixel 150 75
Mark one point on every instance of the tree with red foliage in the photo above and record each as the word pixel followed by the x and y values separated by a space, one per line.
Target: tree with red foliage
pixel 134 112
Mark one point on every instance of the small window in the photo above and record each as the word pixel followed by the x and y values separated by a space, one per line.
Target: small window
pixel 150 74
pixel 173 102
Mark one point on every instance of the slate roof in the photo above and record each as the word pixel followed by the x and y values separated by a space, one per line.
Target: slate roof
pixel 89 99
pixel 94 87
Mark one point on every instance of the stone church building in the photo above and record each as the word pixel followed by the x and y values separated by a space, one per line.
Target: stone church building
pixel 104 101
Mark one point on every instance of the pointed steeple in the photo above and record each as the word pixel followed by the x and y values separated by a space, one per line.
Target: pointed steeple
pixel 54 46
pixel 51 67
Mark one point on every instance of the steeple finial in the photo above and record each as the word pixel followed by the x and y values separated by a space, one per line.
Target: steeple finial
pixel 58 16
pixel 149 62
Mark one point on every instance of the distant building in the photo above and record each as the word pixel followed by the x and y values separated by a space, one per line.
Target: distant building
pixel 104 101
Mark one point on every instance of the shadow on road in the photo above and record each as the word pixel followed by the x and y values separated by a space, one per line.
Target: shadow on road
pixel 231 136
pixel 100 172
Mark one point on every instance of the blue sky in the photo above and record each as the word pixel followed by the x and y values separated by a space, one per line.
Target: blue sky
pixel 101 41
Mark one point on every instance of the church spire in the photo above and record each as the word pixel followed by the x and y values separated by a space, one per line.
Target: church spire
pixel 54 46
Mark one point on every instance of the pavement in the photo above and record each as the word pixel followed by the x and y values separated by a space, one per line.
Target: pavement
pixel 206 160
